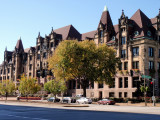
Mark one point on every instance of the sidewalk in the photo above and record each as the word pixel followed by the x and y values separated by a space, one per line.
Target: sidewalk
pixel 93 107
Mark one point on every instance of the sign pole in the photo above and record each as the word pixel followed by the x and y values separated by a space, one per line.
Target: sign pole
pixel 153 97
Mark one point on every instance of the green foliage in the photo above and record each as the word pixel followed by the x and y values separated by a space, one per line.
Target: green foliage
pixel 55 86
pixel 84 61
pixel 7 86
pixel 28 86
pixel 144 89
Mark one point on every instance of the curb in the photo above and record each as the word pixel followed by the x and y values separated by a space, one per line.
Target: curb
pixel 76 106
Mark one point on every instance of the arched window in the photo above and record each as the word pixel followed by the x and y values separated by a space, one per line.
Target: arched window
pixel 149 33
pixel 136 33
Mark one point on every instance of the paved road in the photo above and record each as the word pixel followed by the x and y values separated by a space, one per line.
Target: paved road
pixel 10 112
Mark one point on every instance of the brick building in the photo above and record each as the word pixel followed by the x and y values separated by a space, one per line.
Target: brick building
pixel 136 39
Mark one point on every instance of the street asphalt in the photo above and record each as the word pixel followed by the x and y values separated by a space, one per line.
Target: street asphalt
pixel 15 112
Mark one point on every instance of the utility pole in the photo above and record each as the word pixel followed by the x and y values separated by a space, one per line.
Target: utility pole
pixel 145 92
pixel 153 97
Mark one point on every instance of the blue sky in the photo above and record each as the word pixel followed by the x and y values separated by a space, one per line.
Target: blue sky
pixel 26 18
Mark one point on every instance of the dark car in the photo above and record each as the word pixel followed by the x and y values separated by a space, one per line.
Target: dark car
pixel 52 99
pixel 66 100
pixel 106 102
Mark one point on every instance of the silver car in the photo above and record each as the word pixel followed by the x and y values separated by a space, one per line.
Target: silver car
pixel 84 100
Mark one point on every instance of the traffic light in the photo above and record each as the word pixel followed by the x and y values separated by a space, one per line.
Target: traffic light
pixel 151 85
pixel 131 72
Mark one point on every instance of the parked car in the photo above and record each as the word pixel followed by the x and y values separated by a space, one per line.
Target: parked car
pixel 66 100
pixel 84 100
pixel 106 102
pixel 79 95
pixel 52 99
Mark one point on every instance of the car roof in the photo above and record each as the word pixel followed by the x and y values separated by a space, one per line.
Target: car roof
pixel 105 99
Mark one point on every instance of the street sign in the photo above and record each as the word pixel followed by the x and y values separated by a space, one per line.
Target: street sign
pixel 153 98
pixel 146 76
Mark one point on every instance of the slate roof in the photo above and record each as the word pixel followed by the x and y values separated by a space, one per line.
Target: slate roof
pixel 26 50
pixel 116 28
pixel 68 32
pixel 106 21
pixel 153 21
pixel 88 35
pixel 142 23
pixel 19 45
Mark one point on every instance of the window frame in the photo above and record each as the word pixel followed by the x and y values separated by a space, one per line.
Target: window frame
pixel 123 40
pixel 151 52
pixel 135 51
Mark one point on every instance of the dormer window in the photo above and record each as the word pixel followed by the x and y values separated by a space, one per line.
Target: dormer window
pixel 113 38
pixel 136 33
pixel 149 33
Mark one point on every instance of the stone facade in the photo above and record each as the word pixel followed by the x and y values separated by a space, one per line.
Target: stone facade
pixel 136 40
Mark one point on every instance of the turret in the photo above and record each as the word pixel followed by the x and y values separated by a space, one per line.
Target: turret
pixel 105 28
pixel 19 46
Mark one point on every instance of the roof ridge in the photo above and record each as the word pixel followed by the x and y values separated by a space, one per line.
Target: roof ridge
pixel 63 27
pixel 69 30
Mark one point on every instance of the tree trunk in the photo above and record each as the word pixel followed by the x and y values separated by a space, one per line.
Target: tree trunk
pixel 145 100
pixel 6 96
pixel 55 98
pixel 84 91
pixel 84 86
pixel 27 98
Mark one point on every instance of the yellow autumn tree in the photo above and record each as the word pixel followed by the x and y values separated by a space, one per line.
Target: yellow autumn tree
pixel 84 61
pixel 7 87
pixel 28 86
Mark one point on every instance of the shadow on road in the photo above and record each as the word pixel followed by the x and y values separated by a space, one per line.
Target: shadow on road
pixel 10 112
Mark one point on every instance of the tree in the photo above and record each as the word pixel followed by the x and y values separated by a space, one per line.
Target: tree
pixel 7 87
pixel 55 86
pixel 144 89
pixel 84 61
pixel 28 86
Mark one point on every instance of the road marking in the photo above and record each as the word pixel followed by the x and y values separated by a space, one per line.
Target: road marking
pixel 27 117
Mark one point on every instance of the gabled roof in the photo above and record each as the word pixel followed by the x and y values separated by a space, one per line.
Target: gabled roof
pixel 116 28
pixel 26 50
pixel 68 32
pixel 154 21
pixel 19 45
pixel 88 35
pixel 142 23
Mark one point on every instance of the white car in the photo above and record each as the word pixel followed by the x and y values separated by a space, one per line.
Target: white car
pixel 84 100
pixel 79 95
